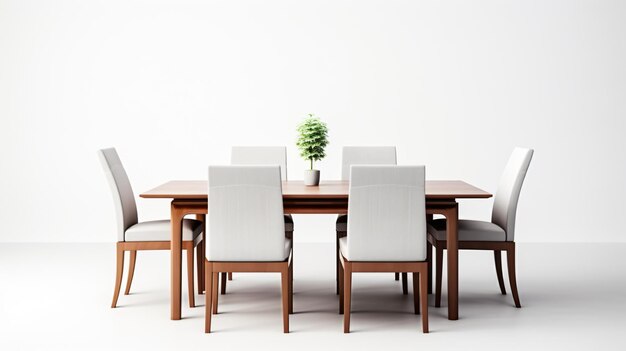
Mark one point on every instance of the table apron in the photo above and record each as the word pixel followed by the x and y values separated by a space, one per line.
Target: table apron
pixel 325 206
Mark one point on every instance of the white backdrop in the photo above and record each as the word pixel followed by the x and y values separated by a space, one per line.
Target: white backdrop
pixel 455 85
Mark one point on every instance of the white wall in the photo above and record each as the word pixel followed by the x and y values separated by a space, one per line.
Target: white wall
pixel 173 84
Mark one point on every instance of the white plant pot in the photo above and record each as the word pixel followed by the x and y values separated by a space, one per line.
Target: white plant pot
pixel 312 177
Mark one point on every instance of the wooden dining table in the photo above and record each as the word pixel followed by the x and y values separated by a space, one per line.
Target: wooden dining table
pixel 330 197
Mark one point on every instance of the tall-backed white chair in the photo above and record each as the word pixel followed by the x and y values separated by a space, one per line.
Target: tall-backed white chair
pixel 497 235
pixel 262 155
pixel 360 155
pixel 246 230
pixel 386 231
pixel 151 235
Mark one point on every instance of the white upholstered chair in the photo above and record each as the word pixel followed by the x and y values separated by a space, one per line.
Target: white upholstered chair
pixel 262 155
pixel 386 230
pixel 497 235
pixel 360 155
pixel 246 230
pixel 151 235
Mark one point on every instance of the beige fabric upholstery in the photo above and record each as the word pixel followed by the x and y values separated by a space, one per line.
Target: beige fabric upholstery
pixel 509 188
pixel 343 241
pixel 469 230
pixel 263 155
pixel 123 196
pixel 246 220
pixel 386 214
pixel 162 230
pixel 343 246
pixel 126 209
pixel 502 225
pixel 366 155
pixel 362 155
pixel 260 155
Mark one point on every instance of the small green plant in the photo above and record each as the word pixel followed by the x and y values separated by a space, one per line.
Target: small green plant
pixel 313 139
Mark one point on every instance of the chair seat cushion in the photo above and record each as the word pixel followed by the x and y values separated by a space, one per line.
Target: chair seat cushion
pixel 342 223
pixel 288 223
pixel 249 255
pixel 343 246
pixel 469 230
pixel 288 246
pixel 162 230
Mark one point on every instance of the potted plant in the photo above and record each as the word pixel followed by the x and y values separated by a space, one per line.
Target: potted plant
pixel 311 142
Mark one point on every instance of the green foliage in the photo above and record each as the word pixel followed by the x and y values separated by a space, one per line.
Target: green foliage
pixel 313 139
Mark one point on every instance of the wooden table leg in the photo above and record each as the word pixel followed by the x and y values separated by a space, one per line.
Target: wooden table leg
pixel 452 218
pixel 176 264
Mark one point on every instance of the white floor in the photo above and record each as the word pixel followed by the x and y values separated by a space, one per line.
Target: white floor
pixel 57 296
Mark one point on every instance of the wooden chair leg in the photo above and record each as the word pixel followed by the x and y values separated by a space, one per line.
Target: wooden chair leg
pixel 397 276
pixel 214 285
pixel 190 278
pixel 285 296
pixel 341 272
pixel 230 275
pixel 438 276
pixel 347 292
pixel 291 288
pixel 510 258
pixel 118 275
pixel 429 259
pixel 200 256
pixel 416 293
pixel 405 283
pixel 424 300
pixel 497 256
pixel 208 288
pixel 223 288
pixel 131 271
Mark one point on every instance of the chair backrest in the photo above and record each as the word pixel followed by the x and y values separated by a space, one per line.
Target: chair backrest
pixel 387 214
pixel 366 155
pixel 260 155
pixel 123 196
pixel 245 214
pixel 507 195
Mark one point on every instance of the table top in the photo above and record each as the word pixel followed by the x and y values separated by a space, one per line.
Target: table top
pixel 332 189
